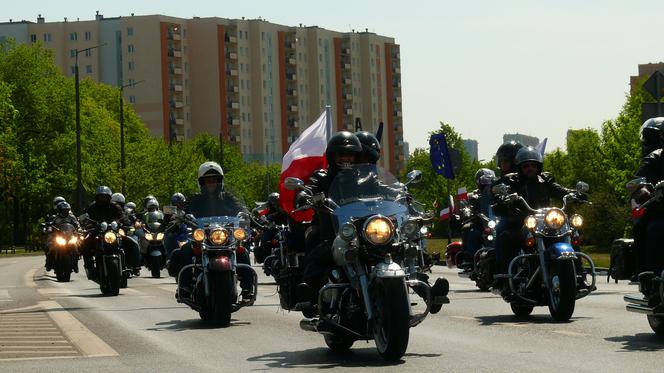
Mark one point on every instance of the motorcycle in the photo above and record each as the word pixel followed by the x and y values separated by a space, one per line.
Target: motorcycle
pixel 650 301
pixel 548 271
pixel 367 294
pixel 155 251
pixel 209 284
pixel 63 250
pixel 480 265
pixel 285 265
pixel 111 272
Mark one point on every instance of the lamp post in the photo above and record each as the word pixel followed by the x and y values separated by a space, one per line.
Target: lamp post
pixel 79 178
pixel 122 147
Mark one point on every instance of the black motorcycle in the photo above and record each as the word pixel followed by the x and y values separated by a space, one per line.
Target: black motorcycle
pixel 367 294
pixel 63 250
pixel 110 269
pixel 285 264
pixel 209 285
pixel 548 270
pixel 155 258
pixel 650 301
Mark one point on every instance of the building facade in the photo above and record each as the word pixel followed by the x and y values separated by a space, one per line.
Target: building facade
pixel 471 148
pixel 645 70
pixel 523 139
pixel 256 83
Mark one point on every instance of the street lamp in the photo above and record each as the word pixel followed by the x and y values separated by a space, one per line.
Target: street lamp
pixel 122 147
pixel 79 178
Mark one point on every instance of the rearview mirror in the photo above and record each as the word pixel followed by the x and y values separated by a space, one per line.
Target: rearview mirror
pixel 500 189
pixel 582 187
pixel 635 184
pixel 293 183
pixel 414 177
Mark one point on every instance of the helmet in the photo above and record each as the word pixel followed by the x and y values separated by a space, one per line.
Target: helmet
pixel 57 200
pixel 103 190
pixel 211 169
pixel 651 135
pixel 507 151
pixel 130 206
pixel 343 142
pixel 484 177
pixel 146 199
pixel 152 202
pixel 178 198
pixel 63 208
pixel 528 154
pixel 273 199
pixel 118 198
pixel 370 146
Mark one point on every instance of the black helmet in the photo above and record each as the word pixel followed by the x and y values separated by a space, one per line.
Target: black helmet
pixel 103 190
pixel 118 198
pixel 484 177
pixel 178 198
pixel 651 135
pixel 370 146
pixel 211 169
pixel 57 200
pixel 63 208
pixel 273 199
pixel 146 199
pixel 343 142
pixel 528 154
pixel 152 202
pixel 507 151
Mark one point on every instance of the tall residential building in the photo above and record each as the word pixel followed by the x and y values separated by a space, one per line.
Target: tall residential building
pixel 645 70
pixel 523 139
pixel 471 148
pixel 256 83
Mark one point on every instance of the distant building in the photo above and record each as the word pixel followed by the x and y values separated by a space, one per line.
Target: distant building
pixel 523 139
pixel 471 148
pixel 645 70
pixel 406 151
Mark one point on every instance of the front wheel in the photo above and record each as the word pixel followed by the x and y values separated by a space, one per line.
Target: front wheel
pixel 656 324
pixel 562 293
pixel 113 277
pixel 217 309
pixel 155 266
pixel 63 267
pixel 392 326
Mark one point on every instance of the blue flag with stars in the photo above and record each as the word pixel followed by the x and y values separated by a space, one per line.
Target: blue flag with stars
pixel 440 156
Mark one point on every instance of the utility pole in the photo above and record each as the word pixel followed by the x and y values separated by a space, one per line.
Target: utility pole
pixel 79 178
pixel 122 142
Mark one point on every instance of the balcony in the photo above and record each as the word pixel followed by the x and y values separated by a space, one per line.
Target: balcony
pixel 291 61
pixel 345 51
pixel 292 92
pixel 345 66
pixel 234 89
pixel 234 121
pixel 293 108
pixel 232 39
pixel 176 103
pixel 179 121
pixel 174 36
pixel 290 45
pixel 348 81
pixel 233 72
pixel 234 105
pixel 396 70
pixel 174 53
pixel 348 96
pixel 349 111
pixel 398 99
pixel 291 76
pixel 396 84
pixel 292 123
pixel 397 114
pixel 232 55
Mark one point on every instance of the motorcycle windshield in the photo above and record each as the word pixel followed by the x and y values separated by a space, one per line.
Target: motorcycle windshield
pixel 221 221
pixel 365 190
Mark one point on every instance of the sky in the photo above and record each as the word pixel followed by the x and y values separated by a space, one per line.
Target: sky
pixel 485 67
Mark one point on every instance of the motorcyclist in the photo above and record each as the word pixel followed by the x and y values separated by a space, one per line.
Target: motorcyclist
pixel 650 135
pixel 130 212
pixel 62 217
pixel 343 150
pixel 101 210
pixel 271 216
pixel 370 148
pixel 479 202
pixel 119 199
pixel 179 201
pixel 537 188
pixel 213 200
pixel 505 157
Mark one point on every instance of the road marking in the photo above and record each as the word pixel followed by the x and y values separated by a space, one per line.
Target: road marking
pixel 87 342
pixel 4 296
pixel 570 333
pixel 130 291
pixel 54 291
pixel 28 278
pixel 463 317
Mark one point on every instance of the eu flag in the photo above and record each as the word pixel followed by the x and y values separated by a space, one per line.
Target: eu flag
pixel 440 156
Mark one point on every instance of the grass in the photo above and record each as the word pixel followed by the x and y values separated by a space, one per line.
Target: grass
pixel 601 257
pixel 19 251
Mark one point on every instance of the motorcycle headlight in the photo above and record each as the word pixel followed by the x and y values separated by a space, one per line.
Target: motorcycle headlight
pixel 218 236
pixel 409 227
pixel 348 232
pixel 122 232
pixel 378 230
pixel 160 236
pixel 554 219
pixel 240 234
pixel 199 235
pixel 60 241
pixel 491 224
pixel 424 230
pixel 73 240
pixel 530 222
pixel 110 238
pixel 577 221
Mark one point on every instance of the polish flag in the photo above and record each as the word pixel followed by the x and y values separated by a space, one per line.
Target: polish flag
pixel 462 194
pixel 445 214
pixel 305 155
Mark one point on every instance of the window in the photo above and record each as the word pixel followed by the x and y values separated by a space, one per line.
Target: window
pixel 88 35
pixel 72 53
pixel 249 119
pixel 244 119
pixel 88 53
pixel 131 65
pixel 33 38
pixel 130 48
pixel 88 69
pixel 47 37
pixel 130 31
pixel 262 35
pixel 242 84
pixel 73 70
pixel 73 36
pixel 132 99
pixel 184 32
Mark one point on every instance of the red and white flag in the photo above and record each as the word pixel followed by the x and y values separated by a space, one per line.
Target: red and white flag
pixel 445 214
pixel 305 155
pixel 462 194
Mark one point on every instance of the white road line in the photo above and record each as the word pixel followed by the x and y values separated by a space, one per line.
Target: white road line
pixel 4 295
pixel 570 333
pixel 130 291
pixel 54 291
pixel 463 317
pixel 86 341
pixel 28 278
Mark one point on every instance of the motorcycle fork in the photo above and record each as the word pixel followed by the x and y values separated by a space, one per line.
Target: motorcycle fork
pixel 545 271
pixel 364 286
pixel 204 263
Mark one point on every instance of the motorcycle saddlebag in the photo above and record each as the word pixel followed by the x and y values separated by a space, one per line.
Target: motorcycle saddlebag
pixel 623 259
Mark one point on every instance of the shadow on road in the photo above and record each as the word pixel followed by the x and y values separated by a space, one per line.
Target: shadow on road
pixel 639 342
pixel 192 324
pixel 324 358
pixel 513 319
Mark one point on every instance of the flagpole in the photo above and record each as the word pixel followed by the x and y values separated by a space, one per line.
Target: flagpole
pixel 449 221
pixel 328 120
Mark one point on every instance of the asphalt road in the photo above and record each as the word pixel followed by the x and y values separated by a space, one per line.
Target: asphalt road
pixel 63 327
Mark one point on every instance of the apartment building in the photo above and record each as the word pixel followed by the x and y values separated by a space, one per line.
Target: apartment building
pixel 256 83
